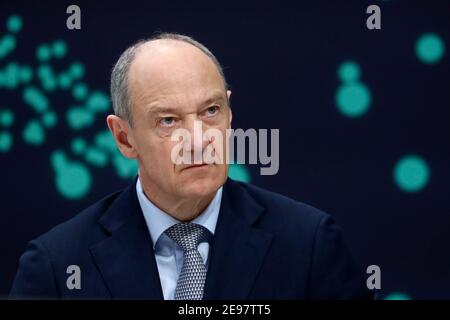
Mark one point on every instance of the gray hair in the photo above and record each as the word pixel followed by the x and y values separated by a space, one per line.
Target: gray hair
pixel 120 93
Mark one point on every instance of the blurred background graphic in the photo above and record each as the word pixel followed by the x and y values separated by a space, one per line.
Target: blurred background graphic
pixel 363 116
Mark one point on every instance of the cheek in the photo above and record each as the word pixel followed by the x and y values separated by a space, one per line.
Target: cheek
pixel 224 137
pixel 161 153
pixel 154 151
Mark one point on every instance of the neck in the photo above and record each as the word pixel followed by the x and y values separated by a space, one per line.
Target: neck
pixel 181 208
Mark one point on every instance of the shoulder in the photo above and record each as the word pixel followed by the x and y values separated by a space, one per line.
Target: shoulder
pixel 82 229
pixel 282 213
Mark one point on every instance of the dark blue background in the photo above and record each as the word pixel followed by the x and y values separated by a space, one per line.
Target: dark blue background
pixel 281 62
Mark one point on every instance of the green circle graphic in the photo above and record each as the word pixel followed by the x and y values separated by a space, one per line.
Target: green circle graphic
pixel 430 48
pixel 411 173
pixel 353 100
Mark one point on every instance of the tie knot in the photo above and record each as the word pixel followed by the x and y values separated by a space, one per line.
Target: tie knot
pixel 188 235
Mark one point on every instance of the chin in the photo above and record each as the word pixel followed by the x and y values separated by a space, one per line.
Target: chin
pixel 198 187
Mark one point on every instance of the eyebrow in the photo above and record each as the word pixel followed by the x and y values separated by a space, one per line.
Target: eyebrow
pixel 161 109
pixel 214 97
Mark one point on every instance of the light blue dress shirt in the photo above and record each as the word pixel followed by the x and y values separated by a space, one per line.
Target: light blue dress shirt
pixel 169 256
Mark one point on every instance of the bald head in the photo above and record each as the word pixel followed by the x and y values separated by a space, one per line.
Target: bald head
pixel 158 57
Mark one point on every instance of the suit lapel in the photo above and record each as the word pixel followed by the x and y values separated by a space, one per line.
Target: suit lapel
pixel 126 259
pixel 238 249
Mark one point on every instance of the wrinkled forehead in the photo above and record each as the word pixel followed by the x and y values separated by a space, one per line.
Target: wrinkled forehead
pixel 168 68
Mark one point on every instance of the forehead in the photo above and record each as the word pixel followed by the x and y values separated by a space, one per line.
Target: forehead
pixel 172 70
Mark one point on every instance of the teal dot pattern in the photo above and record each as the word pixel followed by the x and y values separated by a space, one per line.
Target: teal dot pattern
pixel 430 48
pixel 239 172
pixel 55 73
pixel 411 173
pixel 397 296
pixel 353 98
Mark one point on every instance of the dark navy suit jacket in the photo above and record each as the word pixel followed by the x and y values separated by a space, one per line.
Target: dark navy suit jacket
pixel 266 246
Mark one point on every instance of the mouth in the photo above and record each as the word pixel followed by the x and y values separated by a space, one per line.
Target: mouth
pixel 196 166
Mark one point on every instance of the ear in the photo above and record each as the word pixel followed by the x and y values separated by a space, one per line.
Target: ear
pixel 123 136
pixel 229 106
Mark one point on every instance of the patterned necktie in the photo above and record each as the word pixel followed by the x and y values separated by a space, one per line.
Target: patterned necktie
pixel 193 273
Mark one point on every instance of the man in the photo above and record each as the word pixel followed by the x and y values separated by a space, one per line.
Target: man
pixel 185 231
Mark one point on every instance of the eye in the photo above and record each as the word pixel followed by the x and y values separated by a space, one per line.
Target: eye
pixel 211 111
pixel 167 121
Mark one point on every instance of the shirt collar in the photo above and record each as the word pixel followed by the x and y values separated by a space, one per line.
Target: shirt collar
pixel 158 221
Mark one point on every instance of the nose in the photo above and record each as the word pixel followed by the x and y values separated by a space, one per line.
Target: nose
pixel 196 144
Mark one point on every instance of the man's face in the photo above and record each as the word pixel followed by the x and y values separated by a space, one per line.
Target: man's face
pixel 171 86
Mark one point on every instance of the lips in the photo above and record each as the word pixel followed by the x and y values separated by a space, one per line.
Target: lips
pixel 196 166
